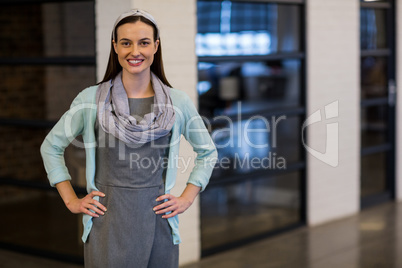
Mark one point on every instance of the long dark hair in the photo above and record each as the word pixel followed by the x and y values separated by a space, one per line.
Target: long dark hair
pixel 114 67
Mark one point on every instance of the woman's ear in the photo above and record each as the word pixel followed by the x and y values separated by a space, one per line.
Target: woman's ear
pixel 156 45
pixel 114 46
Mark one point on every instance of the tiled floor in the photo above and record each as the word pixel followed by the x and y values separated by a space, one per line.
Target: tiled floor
pixel 371 239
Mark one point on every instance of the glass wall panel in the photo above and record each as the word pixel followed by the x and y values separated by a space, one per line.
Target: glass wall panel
pixel 228 28
pixel 47 30
pixel 288 135
pixel 373 174
pixel 20 156
pixel 253 107
pixel 261 86
pixel 258 143
pixel 39 220
pixel 371 1
pixel 373 28
pixel 377 32
pixel 34 94
pixel 374 77
pixel 249 208
pixel 40 91
pixel 374 124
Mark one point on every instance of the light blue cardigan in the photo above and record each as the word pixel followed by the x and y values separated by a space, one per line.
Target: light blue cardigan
pixel 80 120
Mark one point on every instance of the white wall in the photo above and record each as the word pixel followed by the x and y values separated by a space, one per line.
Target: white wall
pixel 177 23
pixel 106 12
pixel 333 70
pixel 399 100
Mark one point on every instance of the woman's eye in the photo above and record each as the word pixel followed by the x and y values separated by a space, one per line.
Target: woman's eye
pixel 144 43
pixel 125 44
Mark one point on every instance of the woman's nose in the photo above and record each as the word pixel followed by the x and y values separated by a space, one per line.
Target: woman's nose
pixel 135 52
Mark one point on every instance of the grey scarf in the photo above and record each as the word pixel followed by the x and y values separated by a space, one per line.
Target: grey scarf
pixel 114 113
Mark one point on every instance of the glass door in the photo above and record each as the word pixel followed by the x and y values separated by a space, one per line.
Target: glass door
pixel 378 92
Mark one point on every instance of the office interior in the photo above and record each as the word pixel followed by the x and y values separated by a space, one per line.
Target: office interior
pixel 300 97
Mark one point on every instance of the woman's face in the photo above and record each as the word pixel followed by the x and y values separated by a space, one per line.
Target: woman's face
pixel 135 47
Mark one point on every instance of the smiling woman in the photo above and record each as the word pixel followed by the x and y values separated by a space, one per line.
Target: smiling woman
pixel 130 218
pixel 114 66
pixel 135 48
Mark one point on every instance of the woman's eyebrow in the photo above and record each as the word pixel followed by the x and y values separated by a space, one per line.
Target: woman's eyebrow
pixel 125 39
pixel 143 39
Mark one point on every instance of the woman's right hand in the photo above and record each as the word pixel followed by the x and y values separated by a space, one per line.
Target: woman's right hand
pixel 86 204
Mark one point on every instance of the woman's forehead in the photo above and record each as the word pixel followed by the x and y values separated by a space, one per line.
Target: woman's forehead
pixel 135 30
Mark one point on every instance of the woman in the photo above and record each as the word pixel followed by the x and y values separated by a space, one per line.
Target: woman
pixel 131 124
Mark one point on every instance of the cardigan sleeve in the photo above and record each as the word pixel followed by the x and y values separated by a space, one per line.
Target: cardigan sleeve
pixel 198 136
pixel 69 126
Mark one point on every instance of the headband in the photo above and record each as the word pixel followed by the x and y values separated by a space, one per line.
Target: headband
pixel 139 13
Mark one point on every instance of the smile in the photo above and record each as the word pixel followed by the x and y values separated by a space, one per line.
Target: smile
pixel 135 62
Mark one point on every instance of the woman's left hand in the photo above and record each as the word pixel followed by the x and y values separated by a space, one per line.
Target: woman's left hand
pixel 175 205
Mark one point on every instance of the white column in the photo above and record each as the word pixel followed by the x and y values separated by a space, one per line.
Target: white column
pixel 106 12
pixel 333 66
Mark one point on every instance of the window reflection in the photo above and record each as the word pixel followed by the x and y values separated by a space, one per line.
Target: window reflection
pixel 235 97
pixel 367 1
pixel 260 86
pixel 47 30
pixel 33 93
pixel 46 92
pixel 20 157
pixel 39 220
pixel 248 208
pixel 231 28
pixel 373 174
pixel 374 77
pixel 374 125
pixel 243 102
pixel 372 28
pixel 258 143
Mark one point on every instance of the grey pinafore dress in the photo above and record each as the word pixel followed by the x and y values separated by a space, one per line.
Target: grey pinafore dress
pixel 130 234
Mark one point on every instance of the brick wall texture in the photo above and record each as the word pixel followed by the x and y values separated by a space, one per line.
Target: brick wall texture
pixel 41 92
pixel 21 91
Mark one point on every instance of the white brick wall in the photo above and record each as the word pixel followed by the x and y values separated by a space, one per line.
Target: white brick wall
pixel 333 75
pixel 177 22
pixel 399 100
